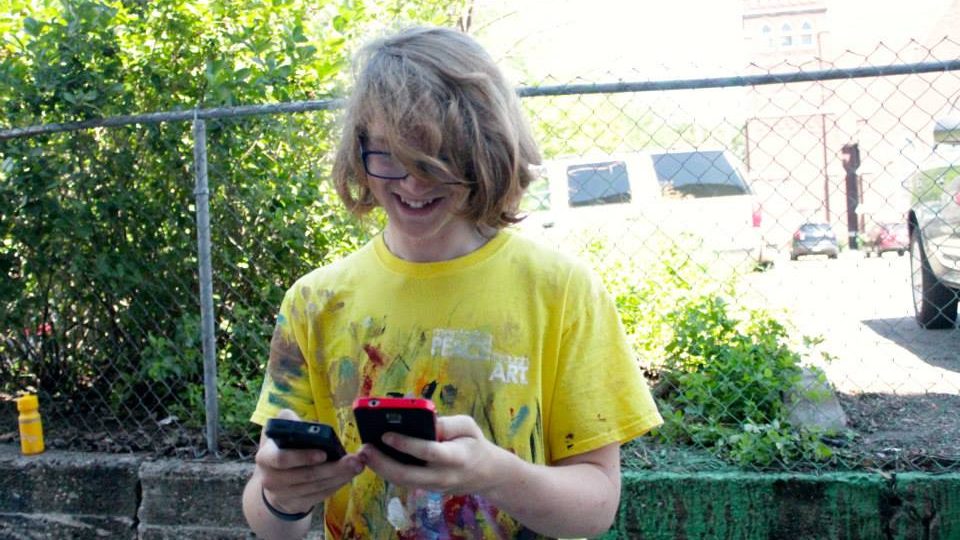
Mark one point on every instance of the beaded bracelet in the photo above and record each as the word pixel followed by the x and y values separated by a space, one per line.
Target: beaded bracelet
pixel 284 516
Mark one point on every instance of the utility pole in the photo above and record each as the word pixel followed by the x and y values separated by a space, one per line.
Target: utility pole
pixel 851 162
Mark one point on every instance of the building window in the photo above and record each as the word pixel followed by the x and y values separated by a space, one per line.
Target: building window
pixel 806 33
pixel 786 35
pixel 767 34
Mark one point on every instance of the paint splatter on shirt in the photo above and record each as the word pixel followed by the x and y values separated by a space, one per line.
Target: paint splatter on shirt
pixel 522 339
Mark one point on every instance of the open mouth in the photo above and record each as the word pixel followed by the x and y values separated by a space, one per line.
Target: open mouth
pixel 418 205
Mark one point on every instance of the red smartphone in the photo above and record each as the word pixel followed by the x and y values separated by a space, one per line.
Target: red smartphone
pixel 416 417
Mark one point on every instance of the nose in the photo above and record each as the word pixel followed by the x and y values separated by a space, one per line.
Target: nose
pixel 417 185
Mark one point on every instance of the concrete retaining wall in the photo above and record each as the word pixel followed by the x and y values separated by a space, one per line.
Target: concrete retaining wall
pixel 789 506
pixel 85 496
pixel 78 495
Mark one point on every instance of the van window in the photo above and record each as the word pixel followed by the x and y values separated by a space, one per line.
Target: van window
pixel 929 184
pixel 591 184
pixel 933 178
pixel 698 174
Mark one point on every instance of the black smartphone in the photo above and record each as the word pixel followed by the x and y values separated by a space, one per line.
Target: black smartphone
pixel 415 417
pixel 294 434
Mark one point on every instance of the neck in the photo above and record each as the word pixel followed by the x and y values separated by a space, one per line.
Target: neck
pixel 434 249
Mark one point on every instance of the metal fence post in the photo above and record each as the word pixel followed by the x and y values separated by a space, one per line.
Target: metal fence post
pixel 202 194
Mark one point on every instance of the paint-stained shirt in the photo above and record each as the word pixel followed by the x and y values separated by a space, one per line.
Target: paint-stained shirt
pixel 521 338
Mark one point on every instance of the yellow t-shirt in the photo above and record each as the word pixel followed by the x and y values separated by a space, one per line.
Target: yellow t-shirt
pixel 521 338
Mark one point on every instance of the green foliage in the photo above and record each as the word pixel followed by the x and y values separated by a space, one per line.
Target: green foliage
pixel 97 227
pixel 722 370
pixel 618 123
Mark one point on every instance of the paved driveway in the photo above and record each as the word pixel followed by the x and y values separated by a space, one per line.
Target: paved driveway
pixel 863 308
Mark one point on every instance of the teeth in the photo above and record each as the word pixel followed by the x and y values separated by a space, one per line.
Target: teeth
pixel 416 204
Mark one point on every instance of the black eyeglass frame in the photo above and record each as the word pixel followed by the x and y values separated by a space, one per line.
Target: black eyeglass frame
pixel 363 158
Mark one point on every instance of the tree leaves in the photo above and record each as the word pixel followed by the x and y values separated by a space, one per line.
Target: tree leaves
pixel 97 227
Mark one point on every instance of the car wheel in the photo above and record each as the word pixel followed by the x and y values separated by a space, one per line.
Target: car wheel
pixel 899 253
pixel 934 303
pixel 832 255
pixel 793 257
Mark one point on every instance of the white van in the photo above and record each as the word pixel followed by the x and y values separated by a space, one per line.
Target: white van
pixel 699 193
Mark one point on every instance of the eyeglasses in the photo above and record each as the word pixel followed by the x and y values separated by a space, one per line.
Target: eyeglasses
pixel 381 164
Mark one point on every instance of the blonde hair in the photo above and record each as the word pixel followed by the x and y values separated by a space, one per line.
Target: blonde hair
pixel 447 113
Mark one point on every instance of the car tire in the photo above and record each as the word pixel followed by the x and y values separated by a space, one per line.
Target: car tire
pixel 934 303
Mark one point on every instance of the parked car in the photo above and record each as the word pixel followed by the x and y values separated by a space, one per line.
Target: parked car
pixel 629 197
pixel 888 237
pixel 814 238
pixel 934 224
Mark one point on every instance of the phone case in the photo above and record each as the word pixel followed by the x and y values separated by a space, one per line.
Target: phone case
pixel 415 417
pixel 293 434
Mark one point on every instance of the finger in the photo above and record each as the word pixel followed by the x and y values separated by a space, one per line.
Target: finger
pixel 382 464
pixel 419 448
pixel 392 470
pixel 300 476
pixel 270 455
pixel 432 477
pixel 304 481
pixel 287 414
pixel 307 484
pixel 452 427
pixel 342 470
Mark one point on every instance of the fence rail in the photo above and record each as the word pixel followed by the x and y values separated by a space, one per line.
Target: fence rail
pixel 528 91
pixel 128 334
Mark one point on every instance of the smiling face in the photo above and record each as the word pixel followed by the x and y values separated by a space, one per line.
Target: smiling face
pixel 437 98
pixel 422 213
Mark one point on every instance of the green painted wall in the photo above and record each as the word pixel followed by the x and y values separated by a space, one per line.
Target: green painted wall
pixel 740 505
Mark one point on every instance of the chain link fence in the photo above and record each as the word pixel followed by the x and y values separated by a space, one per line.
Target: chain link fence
pixel 769 343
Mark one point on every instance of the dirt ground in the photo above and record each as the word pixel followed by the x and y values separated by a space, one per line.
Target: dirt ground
pixel 162 441
pixel 887 432
pixel 914 432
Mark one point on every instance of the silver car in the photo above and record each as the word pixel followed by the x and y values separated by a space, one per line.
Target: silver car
pixel 934 223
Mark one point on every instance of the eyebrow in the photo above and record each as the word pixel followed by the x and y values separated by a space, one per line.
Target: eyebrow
pixel 376 144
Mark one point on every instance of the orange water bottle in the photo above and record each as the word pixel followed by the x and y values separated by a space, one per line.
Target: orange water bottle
pixel 31 429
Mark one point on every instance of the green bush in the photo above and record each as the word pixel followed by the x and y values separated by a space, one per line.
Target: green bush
pixel 97 227
pixel 721 371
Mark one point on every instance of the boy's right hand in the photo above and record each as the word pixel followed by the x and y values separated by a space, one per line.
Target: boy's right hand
pixel 295 481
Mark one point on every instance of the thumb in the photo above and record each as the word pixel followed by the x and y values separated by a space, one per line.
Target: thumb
pixel 453 427
pixel 287 414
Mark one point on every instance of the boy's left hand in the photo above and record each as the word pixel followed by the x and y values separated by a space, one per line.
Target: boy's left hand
pixel 463 461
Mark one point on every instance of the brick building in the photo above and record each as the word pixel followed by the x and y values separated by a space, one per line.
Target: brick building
pixel 795 132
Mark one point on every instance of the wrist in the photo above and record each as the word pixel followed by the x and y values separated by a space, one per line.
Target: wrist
pixel 505 471
pixel 281 514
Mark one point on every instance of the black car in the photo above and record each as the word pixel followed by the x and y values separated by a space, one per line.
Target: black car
pixel 814 239
pixel 934 222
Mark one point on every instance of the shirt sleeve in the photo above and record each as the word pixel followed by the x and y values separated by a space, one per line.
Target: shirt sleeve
pixel 286 385
pixel 600 396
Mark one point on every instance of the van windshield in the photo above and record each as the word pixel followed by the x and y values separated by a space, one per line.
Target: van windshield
pixel 697 174
pixel 604 182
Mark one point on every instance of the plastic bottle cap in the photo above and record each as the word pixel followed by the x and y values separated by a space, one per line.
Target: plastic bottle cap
pixel 28 402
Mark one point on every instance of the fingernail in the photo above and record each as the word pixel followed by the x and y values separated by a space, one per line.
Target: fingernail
pixel 358 467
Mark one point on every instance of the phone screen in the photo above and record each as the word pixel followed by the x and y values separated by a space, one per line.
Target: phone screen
pixel 415 417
